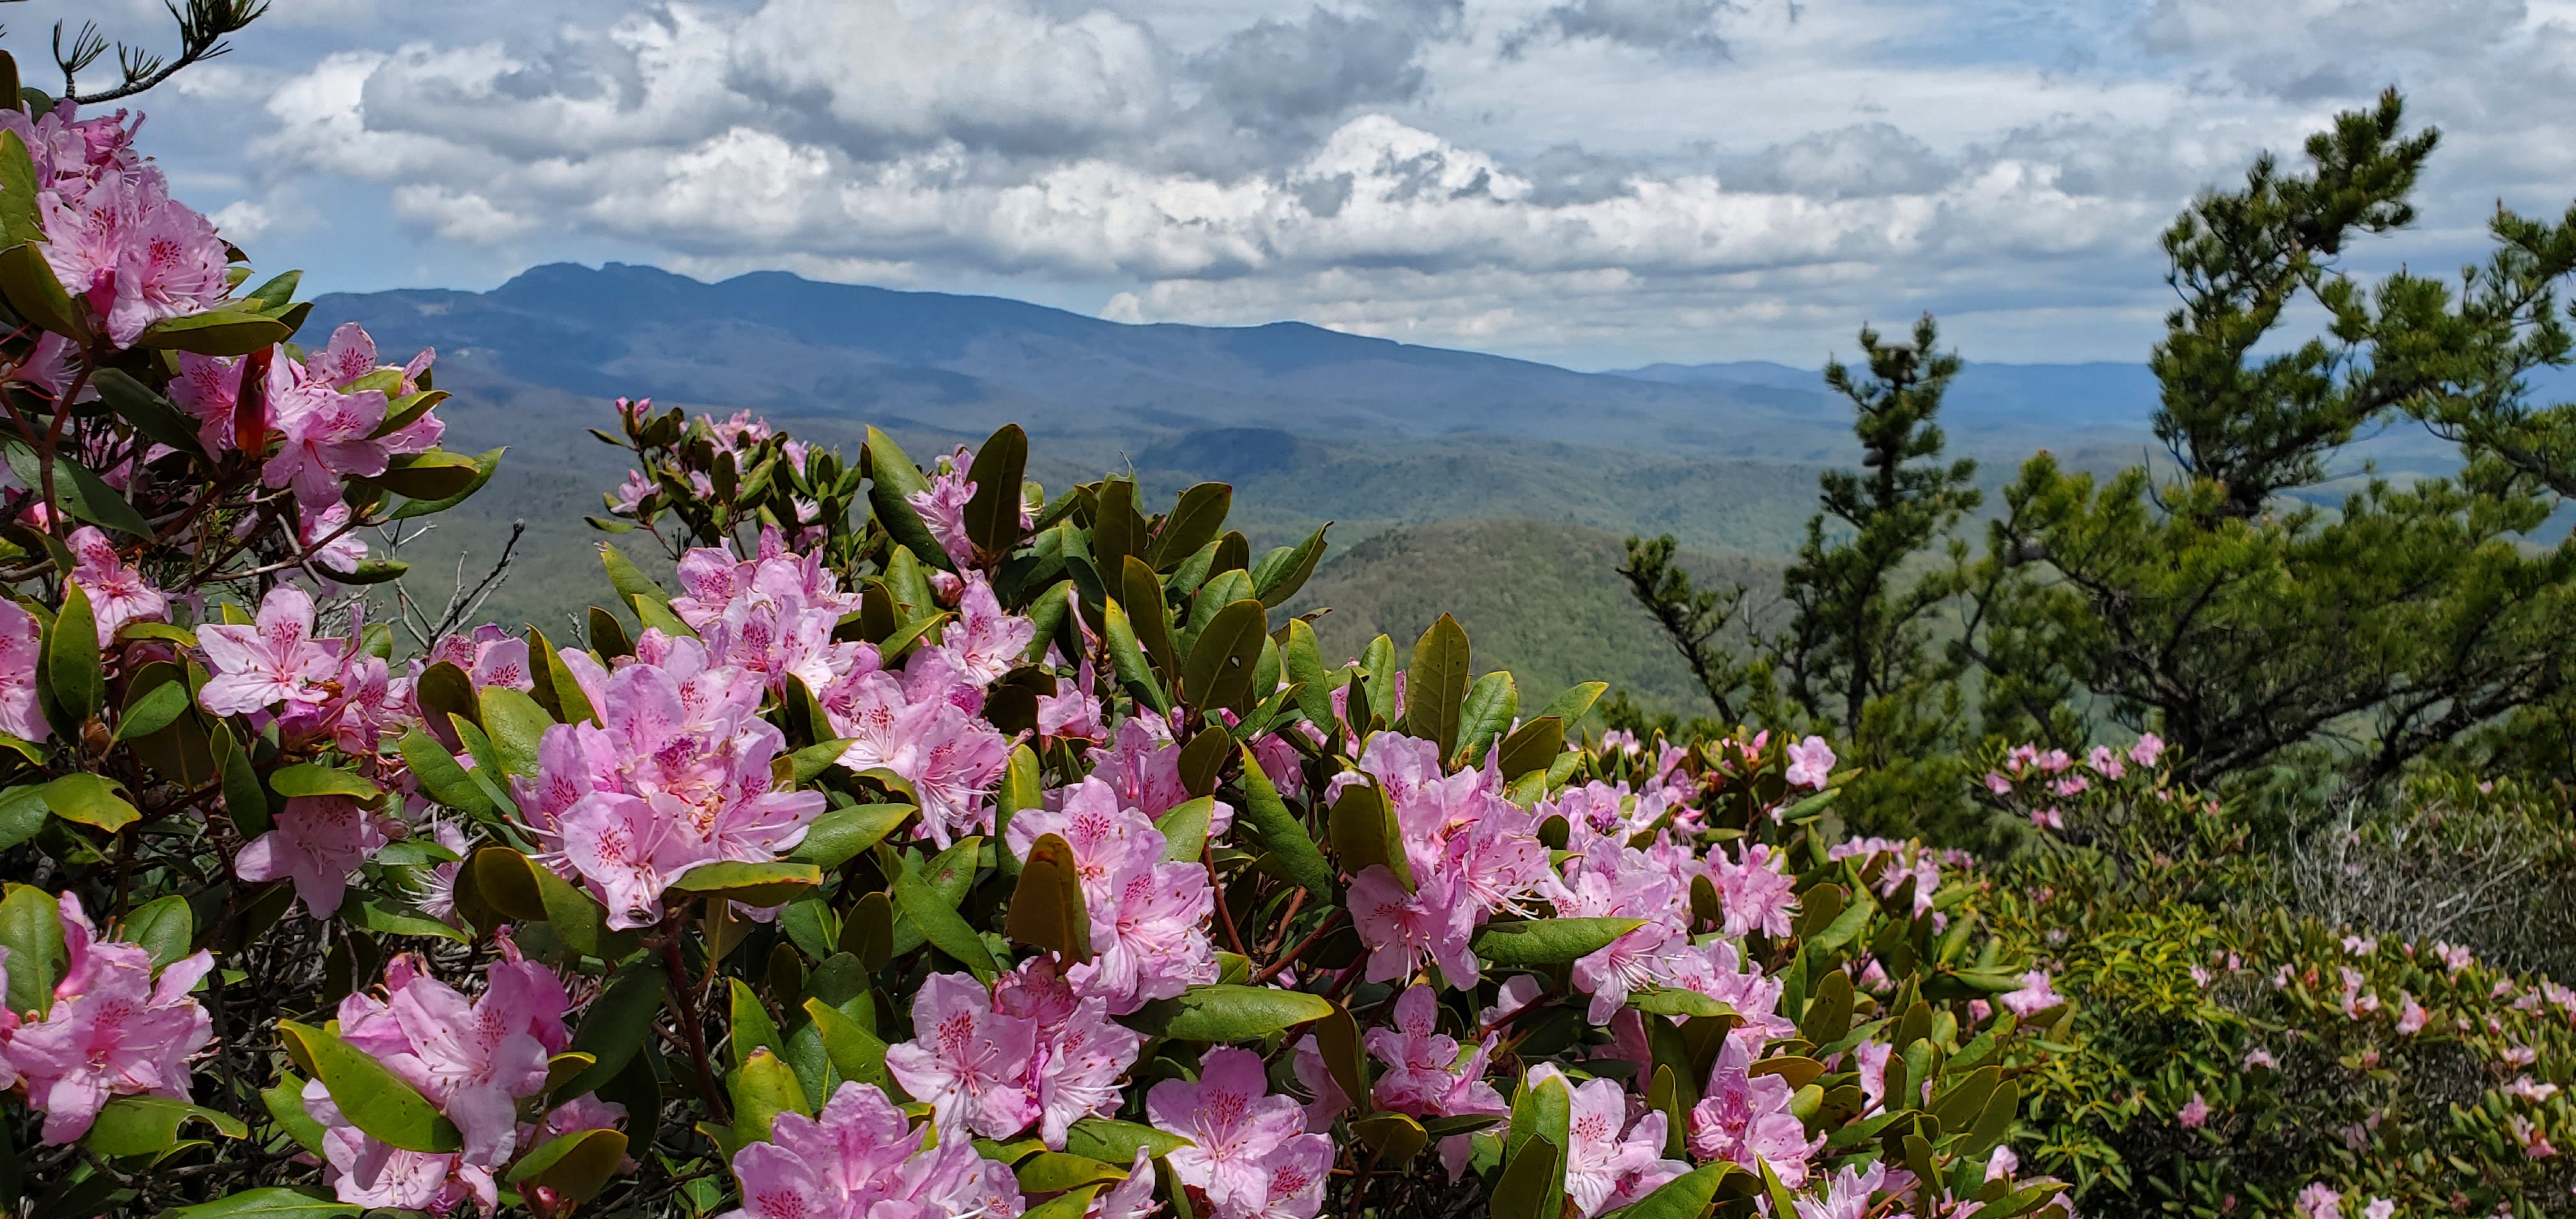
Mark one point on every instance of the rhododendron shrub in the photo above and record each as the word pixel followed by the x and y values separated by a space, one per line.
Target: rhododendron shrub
pixel 2222 1050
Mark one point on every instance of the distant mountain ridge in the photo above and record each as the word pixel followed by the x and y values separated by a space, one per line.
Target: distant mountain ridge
pixel 1983 398
pixel 957 364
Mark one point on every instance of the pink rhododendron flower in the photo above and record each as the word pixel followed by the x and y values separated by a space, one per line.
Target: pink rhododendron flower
pixel 1755 894
pixel 318 841
pixel 676 775
pixel 2317 1201
pixel 860 1158
pixel 2147 750
pixel 1846 1196
pixel 1317 1078
pixel 1610 1161
pixel 112 1030
pixel 1811 763
pixel 973 1062
pixel 1148 917
pixel 475 1060
pixel 1082 1056
pixel 915 727
pixel 117 594
pixel 1427 1074
pixel 984 643
pixel 1250 1154
pixel 1744 1119
pixel 21 642
pixel 2194 1113
pixel 329 436
pixel 2410 1014
pixel 274 661
pixel 2034 996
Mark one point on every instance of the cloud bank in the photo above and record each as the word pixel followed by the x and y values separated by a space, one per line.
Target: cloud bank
pixel 1597 181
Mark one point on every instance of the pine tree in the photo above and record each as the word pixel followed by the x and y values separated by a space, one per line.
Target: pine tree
pixel 2235 604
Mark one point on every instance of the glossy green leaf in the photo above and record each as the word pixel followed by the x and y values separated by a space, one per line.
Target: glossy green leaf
pixel 1127 660
pixel 752 884
pixel 992 515
pixel 576 1166
pixel 1684 1197
pixel 165 927
pixel 942 926
pixel 1269 823
pixel 31 929
pixel 1115 1142
pixel 1228 1013
pixel 1569 707
pixel 1549 941
pixel 149 710
pixel 840 834
pixel 855 1052
pixel 32 289
pixel 219 332
pixel 317 779
pixel 1284 571
pixel 285 1105
pixel 892 480
pixel 764 1087
pixel 1185 829
pixel 71 661
pixel 615 1025
pixel 1531 747
pixel 270 1203
pixel 90 800
pixel 1047 909
pixel 1435 685
pixel 444 780
pixel 374 1099
pixel 148 1125
pixel 1491 705
pixel 628 579
pixel 1224 657
pixel 514 723
pixel 751 1025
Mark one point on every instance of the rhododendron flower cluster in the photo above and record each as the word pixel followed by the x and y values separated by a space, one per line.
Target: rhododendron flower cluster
pixel 113 1028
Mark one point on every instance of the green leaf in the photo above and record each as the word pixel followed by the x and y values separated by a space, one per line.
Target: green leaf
pixel 1684 1197
pixel 149 412
pixel 375 1100
pixel 1228 1013
pixel 1277 831
pixel 1224 656
pixel 1549 941
pixel 277 293
pixel 165 927
pixel 150 709
pixel 1530 1185
pixel 1047 909
pixel 1435 685
pixel 90 800
pixel 752 1027
pixel 764 1087
pixel 1140 593
pixel 993 512
pixel 434 475
pixel 752 884
pixel 1569 707
pixel 518 887
pixel 515 724
pixel 940 924
pixel 1115 1142
pixel 317 779
pixel 444 780
pixel 71 659
pixel 892 478
pixel 245 798
pixel 576 1165
pixel 484 464
pixel 21 215
pixel 615 1025
pixel 808 764
pixel 1531 747
pixel 285 1105
pixel 1365 834
pixel 629 580
pixel 1283 571
pixel 855 1052
pixel 840 834
pixel 28 282
pixel 1195 520
pixel 372 913
pixel 1675 1001
pixel 1051 1172
pixel 1303 658
pixel 148 1125
pixel 1127 660
pixel 22 813
pixel 1185 828
pixel 271 1203
pixel 31 929
pixel 1491 705
pixel 217 332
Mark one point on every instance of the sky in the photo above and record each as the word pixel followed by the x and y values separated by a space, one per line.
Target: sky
pixel 1596 183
